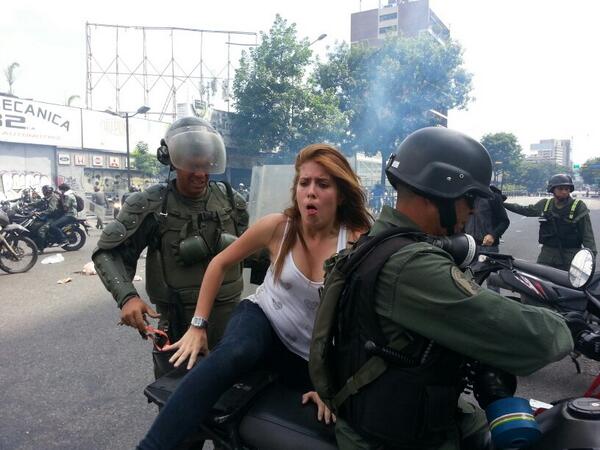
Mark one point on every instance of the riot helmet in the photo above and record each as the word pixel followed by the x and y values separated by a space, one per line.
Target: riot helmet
pixel 442 165
pixel 192 144
pixel 560 179
pixel 47 190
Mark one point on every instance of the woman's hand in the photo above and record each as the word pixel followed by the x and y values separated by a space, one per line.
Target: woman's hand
pixel 193 343
pixel 323 412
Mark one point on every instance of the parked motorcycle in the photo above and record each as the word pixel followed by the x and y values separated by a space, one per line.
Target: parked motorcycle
pixel 76 231
pixel 18 253
pixel 260 412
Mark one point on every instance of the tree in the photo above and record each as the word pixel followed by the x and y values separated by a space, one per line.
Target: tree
pixel 506 154
pixel 144 161
pixel 590 171
pixel 534 175
pixel 387 93
pixel 11 76
pixel 278 106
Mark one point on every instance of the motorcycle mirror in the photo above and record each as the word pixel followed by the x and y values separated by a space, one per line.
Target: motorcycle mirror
pixel 461 246
pixel 582 268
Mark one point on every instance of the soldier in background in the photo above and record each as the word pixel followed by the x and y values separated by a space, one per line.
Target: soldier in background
pixel 565 225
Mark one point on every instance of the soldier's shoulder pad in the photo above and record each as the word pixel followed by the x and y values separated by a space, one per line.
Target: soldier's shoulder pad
pixel 113 234
pixel 239 200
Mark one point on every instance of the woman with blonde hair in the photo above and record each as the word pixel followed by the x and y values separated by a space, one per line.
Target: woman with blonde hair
pixel 273 326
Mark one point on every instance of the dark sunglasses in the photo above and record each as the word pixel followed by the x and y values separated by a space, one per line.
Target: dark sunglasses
pixel 159 337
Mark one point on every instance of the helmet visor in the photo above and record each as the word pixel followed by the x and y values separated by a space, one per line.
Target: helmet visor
pixel 197 149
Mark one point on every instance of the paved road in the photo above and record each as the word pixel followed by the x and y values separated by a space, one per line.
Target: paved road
pixel 72 379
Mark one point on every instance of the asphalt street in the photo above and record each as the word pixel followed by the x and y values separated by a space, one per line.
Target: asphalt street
pixel 71 378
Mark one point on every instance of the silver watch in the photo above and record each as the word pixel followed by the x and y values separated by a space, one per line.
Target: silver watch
pixel 199 322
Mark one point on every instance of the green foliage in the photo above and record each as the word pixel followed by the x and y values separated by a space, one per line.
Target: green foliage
pixel 506 154
pixel 11 75
pixel 591 175
pixel 535 175
pixel 386 93
pixel 144 161
pixel 278 106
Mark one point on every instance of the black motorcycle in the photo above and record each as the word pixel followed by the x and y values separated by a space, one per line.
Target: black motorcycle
pixel 576 292
pixel 18 253
pixel 260 412
pixel 76 231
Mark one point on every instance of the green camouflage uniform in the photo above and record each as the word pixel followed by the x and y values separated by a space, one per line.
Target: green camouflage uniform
pixel 421 289
pixel 560 256
pixel 53 212
pixel 160 219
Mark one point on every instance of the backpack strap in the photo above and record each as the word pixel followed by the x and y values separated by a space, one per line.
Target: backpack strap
pixel 573 208
pixel 369 372
pixel 367 263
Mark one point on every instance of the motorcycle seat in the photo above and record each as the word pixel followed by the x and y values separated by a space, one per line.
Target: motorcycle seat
pixel 277 420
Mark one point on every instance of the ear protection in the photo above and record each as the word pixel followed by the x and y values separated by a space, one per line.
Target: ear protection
pixel 162 153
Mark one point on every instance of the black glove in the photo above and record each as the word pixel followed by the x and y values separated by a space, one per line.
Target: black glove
pixel 576 323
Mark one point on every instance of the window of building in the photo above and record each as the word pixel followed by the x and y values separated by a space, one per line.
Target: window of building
pixel 390 29
pixel 385 17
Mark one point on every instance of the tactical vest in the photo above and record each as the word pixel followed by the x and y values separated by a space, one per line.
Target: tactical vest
pixel 406 406
pixel 557 228
pixel 167 269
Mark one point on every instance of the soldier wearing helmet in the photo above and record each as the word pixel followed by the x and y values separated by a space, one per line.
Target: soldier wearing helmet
pixel 427 309
pixel 565 224
pixel 183 223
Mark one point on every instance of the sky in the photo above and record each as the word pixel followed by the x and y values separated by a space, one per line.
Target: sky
pixel 535 63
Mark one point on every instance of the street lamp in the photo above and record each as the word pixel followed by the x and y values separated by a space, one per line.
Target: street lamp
pixel 141 110
pixel 320 38
pixel 499 167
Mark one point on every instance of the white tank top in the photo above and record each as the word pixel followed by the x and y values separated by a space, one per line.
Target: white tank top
pixel 291 304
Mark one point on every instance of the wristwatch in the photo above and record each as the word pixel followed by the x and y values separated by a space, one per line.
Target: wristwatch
pixel 199 322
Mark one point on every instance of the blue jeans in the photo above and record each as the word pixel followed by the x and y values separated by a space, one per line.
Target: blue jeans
pixel 248 342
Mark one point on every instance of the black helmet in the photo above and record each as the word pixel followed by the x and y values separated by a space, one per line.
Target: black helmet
pixel 443 163
pixel 560 179
pixel 193 144
pixel 47 190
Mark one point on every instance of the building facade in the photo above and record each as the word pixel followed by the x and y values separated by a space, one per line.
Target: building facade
pixel 556 151
pixel 397 17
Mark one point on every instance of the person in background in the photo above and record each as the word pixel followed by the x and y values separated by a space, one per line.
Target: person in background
pixel 69 210
pixel 99 199
pixel 488 223
pixel 565 224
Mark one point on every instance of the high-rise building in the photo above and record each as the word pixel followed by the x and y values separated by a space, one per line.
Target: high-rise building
pixel 406 17
pixel 557 151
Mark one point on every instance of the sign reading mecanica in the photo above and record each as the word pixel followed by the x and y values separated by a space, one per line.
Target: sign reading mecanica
pixel 28 121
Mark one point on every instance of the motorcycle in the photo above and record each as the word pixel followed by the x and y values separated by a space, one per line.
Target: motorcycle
pixel 544 286
pixel 18 253
pixel 261 412
pixel 76 231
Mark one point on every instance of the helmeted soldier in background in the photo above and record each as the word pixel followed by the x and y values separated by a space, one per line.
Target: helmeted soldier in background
pixel 565 224
pixel 183 223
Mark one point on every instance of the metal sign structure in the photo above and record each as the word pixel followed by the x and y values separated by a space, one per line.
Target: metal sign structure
pixel 162 67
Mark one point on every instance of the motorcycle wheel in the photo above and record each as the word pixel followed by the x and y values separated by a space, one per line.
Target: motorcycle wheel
pixel 76 237
pixel 27 253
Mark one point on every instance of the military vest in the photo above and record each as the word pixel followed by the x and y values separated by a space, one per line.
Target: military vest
pixel 204 222
pixel 557 226
pixel 408 403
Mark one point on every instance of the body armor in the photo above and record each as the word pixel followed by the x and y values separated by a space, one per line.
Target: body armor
pixel 558 228
pixel 175 263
